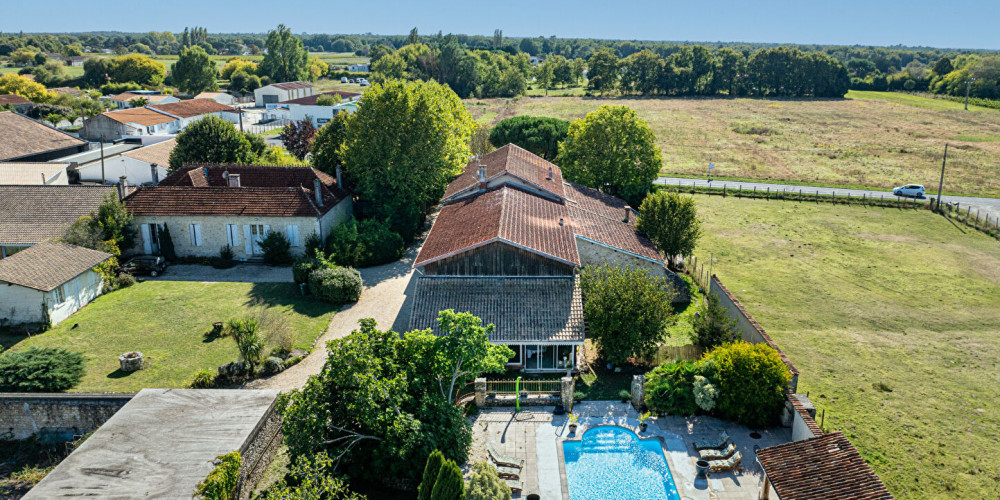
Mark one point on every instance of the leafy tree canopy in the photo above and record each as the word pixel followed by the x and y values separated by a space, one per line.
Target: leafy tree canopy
pixel 210 140
pixel 194 71
pixel 286 59
pixel 540 135
pixel 670 221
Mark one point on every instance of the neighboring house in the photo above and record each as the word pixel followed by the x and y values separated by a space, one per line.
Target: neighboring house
pixel 25 140
pixel 37 173
pixel 279 92
pixel 306 108
pixel 145 165
pixel 76 60
pixel 219 97
pixel 32 214
pixel 66 90
pixel 211 206
pixel 359 68
pixel 158 119
pixel 124 100
pixel 506 246
pixel 15 101
pixel 48 282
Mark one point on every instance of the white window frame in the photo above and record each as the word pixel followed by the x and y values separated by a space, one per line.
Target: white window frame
pixel 59 294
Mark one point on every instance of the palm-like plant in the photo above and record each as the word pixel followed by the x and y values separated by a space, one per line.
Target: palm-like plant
pixel 251 346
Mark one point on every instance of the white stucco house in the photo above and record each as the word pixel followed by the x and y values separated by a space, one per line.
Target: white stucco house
pixel 153 119
pixel 359 68
pixel 206 207
pixel 145 165
pixel 279 92
pixel 307 108
pixel 124 100
pixel 48 282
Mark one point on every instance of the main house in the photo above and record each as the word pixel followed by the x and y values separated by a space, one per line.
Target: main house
pixel 206 207
pixel 506 247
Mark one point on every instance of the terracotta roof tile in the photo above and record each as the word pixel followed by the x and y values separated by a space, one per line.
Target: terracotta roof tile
pixel 515 161
pixel 600 217
pixel 523 309
pixel 23 136
pixel 49 264
pixel 826 467
pixel 264 191
pixel 142 116
pixel 30 214
pixel 150 98
pixel 12 99
pixel 506 214
pixel 192 107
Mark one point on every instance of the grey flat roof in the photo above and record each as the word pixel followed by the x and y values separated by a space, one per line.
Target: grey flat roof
pixel 159 445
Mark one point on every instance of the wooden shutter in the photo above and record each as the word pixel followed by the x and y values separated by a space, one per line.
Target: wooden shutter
pixel 247 244
pixel 292 233
pixel 147 244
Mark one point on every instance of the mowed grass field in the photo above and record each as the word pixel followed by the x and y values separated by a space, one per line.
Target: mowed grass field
pixel 870 139
pixel 891 316
pixel 167 322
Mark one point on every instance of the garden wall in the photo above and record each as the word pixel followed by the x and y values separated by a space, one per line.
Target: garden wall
pixel 750 330
pixel 56 416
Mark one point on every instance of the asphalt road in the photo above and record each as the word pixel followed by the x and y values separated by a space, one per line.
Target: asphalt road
pixel 985 206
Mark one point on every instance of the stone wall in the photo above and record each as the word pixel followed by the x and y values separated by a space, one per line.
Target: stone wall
pixel 258 451
pixel 596 254
pixel 56 416
pixel 750 330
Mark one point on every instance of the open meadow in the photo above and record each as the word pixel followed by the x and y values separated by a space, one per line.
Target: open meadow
pixel 869 139
pixel 891 315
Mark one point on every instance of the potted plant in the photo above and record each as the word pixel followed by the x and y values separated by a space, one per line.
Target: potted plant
pixel 643 421
pixel 572 423
pixel 625 395
pixel 702 466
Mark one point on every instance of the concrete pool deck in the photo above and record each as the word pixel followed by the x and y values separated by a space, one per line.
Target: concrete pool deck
pixel 536 436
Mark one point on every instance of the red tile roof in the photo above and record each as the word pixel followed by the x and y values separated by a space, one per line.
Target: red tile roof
pixel 600 217
pixel 310 100
pixel 150 98
pixel 141 116
pixel 264 191
pixel 826 467
pixel 504 214
pixel 192 107
pixel 513 160
pixel 12 99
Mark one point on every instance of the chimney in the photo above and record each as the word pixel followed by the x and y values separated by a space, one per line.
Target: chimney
pixel 550 174
pixel 482 177
pixel 234 180
pixel 154 173
pixel 628 213
pixel 340 182
pixel 122 187
pixel 318 192
pixel 560 221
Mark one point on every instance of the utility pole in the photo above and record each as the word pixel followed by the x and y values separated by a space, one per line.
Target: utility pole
pixel 103 179
pixel 968 84
pixel 241 120
pixel 941 184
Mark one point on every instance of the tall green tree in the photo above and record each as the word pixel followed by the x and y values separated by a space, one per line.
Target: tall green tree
pixel 431 469
pixel 426 145
pixel 449 484
pixel 613 150
pixel 603 70
pixel 286 59
pixel 713 326
pixel 538 134
pixel 627 310
pixel 210 140
pixel 670 221
pixel 326 146
pixel 463 351
pixel 642 72
pixel 194 71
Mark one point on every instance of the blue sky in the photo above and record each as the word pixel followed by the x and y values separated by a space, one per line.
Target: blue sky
pixel 953 24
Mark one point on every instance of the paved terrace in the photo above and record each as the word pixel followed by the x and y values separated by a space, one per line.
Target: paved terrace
pixel 535 435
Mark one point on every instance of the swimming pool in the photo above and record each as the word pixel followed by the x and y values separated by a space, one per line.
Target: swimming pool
pixel 612 462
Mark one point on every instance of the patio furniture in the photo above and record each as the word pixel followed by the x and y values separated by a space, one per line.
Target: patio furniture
pixel 502 459
pixel 507 472
pixel 725 465
pixel 714 454
pixel 514 484
pixel 712 443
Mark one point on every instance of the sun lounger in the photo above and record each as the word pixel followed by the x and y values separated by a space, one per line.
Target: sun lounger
pixel 507 472
pixel 502 459
pixel 713 443
pixel 714 454
pixel 515 484
pixel 727 464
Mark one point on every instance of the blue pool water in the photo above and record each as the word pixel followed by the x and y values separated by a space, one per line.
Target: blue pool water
pixel 612 462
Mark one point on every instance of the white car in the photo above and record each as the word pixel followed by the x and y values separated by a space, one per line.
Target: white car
pixel 343 79
pixel 911 190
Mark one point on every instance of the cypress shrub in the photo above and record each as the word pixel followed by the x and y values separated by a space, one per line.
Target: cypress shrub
pixel 431 469
pixel 46 369
pixel 449 484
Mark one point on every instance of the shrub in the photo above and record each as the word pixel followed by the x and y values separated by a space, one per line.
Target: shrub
pixel 204 379
pixel 751 128
pixel 909 85
pixel 713 326
pixel 449 484
pixel 221 482
pixel 431 469
pixel 233 370
pixel 626 309
pixel 125 280
pixel 309 263
pixel 46 369
pixel 705 393
pixel 670 388
pixel 366 243
pixel 751 380
pixel 485 484
pixel 313 242
pixel 338 285
pixel 273 365
pixel 277 249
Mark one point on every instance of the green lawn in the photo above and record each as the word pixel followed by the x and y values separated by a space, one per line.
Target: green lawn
pixel 167 320
pixel 891 316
